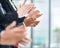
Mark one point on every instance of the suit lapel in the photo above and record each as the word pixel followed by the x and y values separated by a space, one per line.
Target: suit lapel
pixel 12 3
pixel 10 6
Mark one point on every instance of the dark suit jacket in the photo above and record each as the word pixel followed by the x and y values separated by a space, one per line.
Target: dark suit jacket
pixel 10 16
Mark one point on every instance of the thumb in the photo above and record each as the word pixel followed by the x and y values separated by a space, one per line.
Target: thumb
pixel 12 25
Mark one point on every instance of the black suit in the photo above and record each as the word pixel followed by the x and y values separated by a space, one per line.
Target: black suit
pixel 6 19
pixel 11 14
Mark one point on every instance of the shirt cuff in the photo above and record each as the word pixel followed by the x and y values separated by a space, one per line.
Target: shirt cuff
pixel 20 20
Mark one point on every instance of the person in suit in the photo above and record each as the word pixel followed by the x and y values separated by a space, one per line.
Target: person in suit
pixel 11 15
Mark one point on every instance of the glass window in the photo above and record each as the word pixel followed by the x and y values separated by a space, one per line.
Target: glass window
pixel 55 23
pixel 41 31
pixel 19 2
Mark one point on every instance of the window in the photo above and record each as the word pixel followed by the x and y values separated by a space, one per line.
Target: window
pixel 41 31
pixel 55 23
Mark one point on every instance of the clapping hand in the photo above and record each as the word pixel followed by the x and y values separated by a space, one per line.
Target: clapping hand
pixel 24 9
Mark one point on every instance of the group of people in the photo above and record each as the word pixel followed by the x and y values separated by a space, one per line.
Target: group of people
pixel 13 23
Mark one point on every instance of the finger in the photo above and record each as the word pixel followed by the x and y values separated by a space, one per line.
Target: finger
pixel 19 6
pixel 32 10
pixel 27 39
pixel 38 15
pixel 17 45
pixel 12 25
pixel 36 12
pixel 24 2
pixel 35 23
pixel 29 7
pixel 30 14
pixel 23 42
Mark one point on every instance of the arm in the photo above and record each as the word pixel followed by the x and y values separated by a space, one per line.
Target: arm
pixel 10 17
pixel 7 18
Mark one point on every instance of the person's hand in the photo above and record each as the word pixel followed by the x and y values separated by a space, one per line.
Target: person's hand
pixel 26 40
pixel 12 35
pixel 30 20
pixel 24 9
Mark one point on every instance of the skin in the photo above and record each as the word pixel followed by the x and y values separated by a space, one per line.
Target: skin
pixel 13 35
pixel 30 10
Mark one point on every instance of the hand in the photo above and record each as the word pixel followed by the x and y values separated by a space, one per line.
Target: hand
pixel 12 35
pixel 32 16
pixel 24 9
pixel 24 41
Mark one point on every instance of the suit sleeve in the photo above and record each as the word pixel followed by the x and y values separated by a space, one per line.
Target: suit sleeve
pixel 8 18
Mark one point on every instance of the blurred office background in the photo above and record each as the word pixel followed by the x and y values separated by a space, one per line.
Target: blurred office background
pixel 47 33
